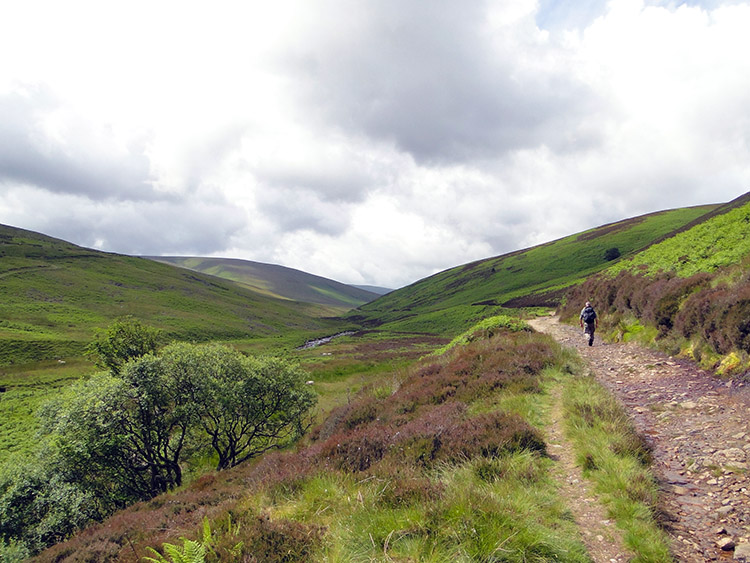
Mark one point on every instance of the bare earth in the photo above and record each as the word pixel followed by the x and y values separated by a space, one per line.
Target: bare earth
pixel 699 428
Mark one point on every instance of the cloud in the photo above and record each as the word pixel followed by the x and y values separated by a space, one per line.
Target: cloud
pixel 185 227
pixel 446 83
pixel 47 146
pixel 371 143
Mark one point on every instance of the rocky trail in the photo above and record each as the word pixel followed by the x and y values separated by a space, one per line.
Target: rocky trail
pixel 699 428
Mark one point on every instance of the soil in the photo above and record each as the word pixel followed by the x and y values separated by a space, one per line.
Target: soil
pixel 699 429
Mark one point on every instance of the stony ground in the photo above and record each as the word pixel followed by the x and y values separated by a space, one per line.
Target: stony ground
pixel 699 427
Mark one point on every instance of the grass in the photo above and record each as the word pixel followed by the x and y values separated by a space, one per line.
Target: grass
pixel 450 302
pixel 717 243
pixel 416 499
pixel 26 388
pixel 617 460
pixel 54 295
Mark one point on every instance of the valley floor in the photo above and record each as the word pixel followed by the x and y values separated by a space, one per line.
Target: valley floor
pixel 699 429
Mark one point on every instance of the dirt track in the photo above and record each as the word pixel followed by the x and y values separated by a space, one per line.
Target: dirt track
pixel 699 427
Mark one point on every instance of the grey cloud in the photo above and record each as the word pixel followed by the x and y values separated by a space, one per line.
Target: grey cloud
pixel 331 181
pixel 82 166
pixel 301 209
pixel 428 77
pixel 156 228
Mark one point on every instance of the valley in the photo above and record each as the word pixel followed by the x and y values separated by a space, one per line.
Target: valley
pixel 432 400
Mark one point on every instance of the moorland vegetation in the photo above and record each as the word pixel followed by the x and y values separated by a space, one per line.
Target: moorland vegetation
pixel 689 294
pixel 436 459
pixel 445 462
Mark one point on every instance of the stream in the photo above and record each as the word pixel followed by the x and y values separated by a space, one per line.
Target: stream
pixel 325 340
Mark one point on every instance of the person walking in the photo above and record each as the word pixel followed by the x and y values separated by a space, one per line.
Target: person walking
pixel 589 322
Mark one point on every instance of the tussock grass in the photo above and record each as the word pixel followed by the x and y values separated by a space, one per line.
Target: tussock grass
pixel 408 470
pixel 616 459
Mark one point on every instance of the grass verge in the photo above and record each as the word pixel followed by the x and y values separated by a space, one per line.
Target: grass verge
pixel 616 458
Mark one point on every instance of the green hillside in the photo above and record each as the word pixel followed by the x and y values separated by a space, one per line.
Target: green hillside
pixel 689 294
pixel 456 298
pixel 54 295
pixel 277 281
pixel 722 240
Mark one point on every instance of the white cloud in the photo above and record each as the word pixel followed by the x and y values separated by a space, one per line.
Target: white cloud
pixel 375 142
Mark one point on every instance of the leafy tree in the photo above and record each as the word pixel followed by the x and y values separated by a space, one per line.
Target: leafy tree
pixel 124 436
pixel 38 507
pixel 124 340
pixel 248 405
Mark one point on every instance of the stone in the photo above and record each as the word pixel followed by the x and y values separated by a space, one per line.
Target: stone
pixel 742 551
pixel 726 544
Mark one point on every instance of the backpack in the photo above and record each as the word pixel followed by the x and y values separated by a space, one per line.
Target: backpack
pixel 588 315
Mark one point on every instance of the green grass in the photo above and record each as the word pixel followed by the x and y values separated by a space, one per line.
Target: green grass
pixel 616 459
pixel 53 295
pixel 26 389
pixel 450 302
pixel 717 243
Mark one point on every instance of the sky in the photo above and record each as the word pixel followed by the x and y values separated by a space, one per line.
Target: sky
pixel 371 142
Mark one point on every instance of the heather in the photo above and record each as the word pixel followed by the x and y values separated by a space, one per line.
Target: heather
pixel 689 294
pixel 416 472
pixel 703 317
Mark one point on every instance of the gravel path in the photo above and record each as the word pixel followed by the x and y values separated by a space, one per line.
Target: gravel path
pixel 699 427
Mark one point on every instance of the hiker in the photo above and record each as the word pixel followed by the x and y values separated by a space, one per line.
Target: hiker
pixel 588 317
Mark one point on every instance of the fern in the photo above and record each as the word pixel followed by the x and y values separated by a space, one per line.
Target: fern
pixel 190 552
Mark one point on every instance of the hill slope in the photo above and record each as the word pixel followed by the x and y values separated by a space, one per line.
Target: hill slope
pixel 53 295
pixel 276 281
pixel 455 298
pixel 689 294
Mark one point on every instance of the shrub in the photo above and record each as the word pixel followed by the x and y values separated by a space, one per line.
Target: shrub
pixel 357 450
pixel 126 339
pixel 280 541
pixel 490 435
pixel 404 491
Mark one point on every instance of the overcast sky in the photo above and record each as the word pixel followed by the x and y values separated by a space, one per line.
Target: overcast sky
pixel 371 142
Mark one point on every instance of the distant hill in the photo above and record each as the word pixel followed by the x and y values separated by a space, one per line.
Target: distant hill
pixel 54 295
pixel 277 281
pixel 456 298
pixel 375 289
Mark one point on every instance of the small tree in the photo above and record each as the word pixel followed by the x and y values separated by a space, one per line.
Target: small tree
pixel 124 340
pixel 123 437
pixel 246 406
pixel 612 254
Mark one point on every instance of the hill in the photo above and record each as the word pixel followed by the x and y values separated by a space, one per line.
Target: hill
pixel 277 281
pixel 689 294
pixel 54 295
pixel 456 298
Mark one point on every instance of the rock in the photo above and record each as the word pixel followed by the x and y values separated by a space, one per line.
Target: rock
pixel 688 405
pixel 742 552
pixel 726 544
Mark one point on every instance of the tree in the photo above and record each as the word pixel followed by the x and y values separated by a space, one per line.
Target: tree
pixel 612 254
pixel 124 340
pixel 123 436
pixel 263 406
pixel 246 406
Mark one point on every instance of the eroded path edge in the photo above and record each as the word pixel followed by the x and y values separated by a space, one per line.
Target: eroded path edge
pixel 699 428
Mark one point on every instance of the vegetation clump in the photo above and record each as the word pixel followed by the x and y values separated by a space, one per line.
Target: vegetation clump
pixel 112 440
pixel 414 474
